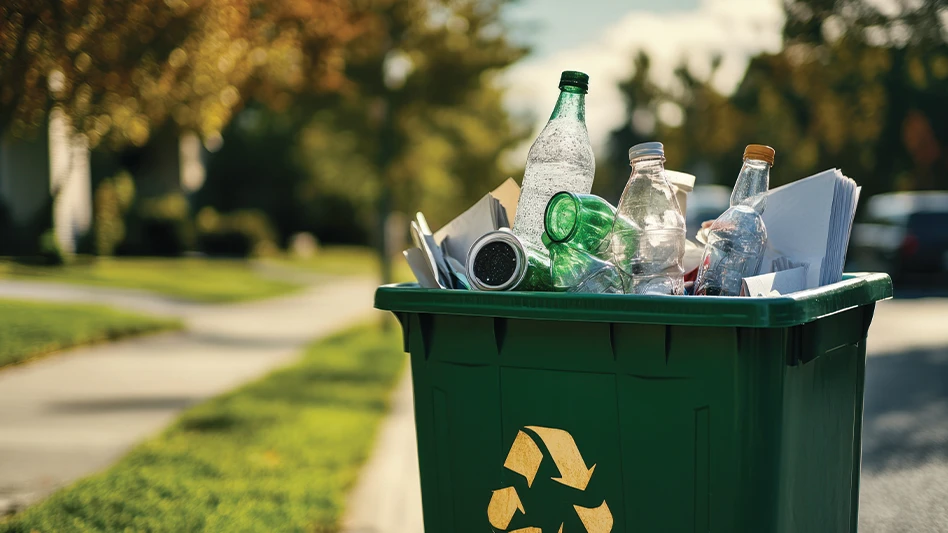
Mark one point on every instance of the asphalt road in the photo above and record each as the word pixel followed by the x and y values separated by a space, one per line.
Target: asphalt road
pixel 905 442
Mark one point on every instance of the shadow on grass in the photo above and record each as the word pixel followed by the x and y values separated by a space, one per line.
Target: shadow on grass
pixel 334 376
pixel 213 340
pixel 211 422
pixel 112 405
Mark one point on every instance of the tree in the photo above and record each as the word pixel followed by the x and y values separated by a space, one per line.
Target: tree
pixel 708 115
pixel 642 98
pixel 859 89
pixel 122 67
pixel 417 125
pixel 424 115
pixel 853 88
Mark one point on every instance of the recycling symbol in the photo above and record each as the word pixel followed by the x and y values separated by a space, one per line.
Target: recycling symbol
pixel 524 458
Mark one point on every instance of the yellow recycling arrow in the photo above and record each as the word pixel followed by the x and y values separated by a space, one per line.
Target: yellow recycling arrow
pixel 596 520
pixel 524 457
pixel 504 504
pixel 533 530
pixel 573 471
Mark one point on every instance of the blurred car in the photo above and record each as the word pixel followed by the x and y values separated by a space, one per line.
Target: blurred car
pixel 705 202
pixel 905 234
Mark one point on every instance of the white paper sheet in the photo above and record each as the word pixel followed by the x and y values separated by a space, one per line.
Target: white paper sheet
pixel 797 218
pixel 810 221
pixel 692 257
pixel 775 283
pixel 483 217
pixel 467 228
pixel 432 254
pixel 419 267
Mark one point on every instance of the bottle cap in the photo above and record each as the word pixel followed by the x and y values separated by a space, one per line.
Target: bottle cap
pixel 574 78
pixel 759 152
pixel 652 149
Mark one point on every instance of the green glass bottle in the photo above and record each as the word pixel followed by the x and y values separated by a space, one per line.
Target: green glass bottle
pixel 582 220
pixel 560 159
pixel 575 270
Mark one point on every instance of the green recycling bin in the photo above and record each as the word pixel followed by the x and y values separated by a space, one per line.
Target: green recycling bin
pixel 570 413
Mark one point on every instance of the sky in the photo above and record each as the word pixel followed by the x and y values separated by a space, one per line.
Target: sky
pixel 601 39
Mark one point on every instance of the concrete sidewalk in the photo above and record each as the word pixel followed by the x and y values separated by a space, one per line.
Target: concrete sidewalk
pixel 387 497
pixel 66 416
pixel 129 299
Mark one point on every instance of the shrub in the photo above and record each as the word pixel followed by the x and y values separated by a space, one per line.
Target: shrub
pixel 242 233
pixel 113 199
pixel 159 226
pixel 50 252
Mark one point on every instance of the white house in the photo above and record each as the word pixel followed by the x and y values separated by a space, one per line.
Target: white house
pixel 53 164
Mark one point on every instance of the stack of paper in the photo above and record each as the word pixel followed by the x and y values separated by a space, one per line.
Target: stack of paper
pixel 841 226
pixel 439 260
pixel 808 225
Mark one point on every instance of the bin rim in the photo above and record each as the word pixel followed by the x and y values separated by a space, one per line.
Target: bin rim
pixel 855 290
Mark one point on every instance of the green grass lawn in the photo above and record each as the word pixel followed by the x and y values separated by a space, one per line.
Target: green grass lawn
pixel 29 329
pixel 276 455
pixel 203 280
pixel 346 261
pixel 208 280
pixel 336 261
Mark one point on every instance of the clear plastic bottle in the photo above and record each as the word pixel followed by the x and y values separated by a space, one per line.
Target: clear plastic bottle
pixel 737 238
pixel 561 159
pixel 648 235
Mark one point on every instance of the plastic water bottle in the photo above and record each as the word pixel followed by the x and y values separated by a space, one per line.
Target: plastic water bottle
pixel 648 235
pixel 737 238
pixel 561 159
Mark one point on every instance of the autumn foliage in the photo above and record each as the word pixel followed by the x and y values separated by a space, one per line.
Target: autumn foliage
pixel 122 67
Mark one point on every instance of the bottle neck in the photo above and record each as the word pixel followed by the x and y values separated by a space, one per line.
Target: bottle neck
pixel 570 104
pixel 752 184
pixel 649 167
